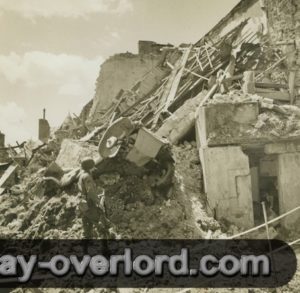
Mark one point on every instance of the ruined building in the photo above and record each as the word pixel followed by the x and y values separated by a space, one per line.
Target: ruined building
pixel 247 134
pixel 180 135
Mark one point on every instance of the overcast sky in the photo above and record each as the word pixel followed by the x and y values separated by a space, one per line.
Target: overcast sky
pixel 51 50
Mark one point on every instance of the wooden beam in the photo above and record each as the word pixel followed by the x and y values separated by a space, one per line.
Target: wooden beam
pixel 198 60
pixel 292 78
pixel 270 68
pixel 208 56
pixel 177 79
pixel 196 74
pixel 269 85
pixel 275 95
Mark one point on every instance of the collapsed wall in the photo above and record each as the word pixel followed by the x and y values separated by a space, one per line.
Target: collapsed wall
pixel 120 72
pixel 284 32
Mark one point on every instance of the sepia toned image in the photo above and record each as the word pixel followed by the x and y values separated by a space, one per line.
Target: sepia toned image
pixel 175 120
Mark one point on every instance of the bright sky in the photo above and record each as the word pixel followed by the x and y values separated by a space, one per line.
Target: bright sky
pixel 51 50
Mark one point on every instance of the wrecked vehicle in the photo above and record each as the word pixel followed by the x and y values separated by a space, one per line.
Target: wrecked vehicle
pixel 136 144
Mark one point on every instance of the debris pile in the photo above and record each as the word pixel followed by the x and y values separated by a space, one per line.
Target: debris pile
pixel 143 131
pixel 272 121
pixel 151 176
pixel 134 206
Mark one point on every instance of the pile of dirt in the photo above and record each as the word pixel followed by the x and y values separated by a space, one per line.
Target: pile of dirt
pixel 135 207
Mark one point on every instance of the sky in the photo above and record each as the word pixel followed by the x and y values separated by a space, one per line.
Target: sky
pixel 51 50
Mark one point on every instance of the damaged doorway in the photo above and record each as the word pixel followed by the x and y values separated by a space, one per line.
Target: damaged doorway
pixel 264 181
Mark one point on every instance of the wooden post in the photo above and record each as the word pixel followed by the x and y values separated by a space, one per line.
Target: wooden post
pixel 249 82
pixel 292 78
pixel 265 219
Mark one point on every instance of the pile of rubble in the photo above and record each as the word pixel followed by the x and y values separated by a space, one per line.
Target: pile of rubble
pixel 144 133
pixel 273 121
pixel 134 206
pixel 146 195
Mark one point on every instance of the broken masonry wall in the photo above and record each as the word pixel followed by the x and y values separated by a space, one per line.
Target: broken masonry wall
pixel 119 72
pixel 284 32
pixel 44 130
pixel 227 181
pixel 2 140
pixel 244 10
pixel 224 123
pixel 281 20
pixel 150 47
pixel 3 152
pixel 141 89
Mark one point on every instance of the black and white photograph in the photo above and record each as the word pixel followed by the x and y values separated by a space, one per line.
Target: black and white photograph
pixel 149 146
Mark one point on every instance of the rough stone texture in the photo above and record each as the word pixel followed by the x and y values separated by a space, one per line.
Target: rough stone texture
pixel 284 29
pixel 72 152
pixel 289 186
pixel 227 181
pixel 226 118
pixel 142 88
pixel 181 122
pixel 120 72
pixel 281 22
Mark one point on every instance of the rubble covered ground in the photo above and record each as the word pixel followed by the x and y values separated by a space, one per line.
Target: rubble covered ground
pixel 137 210
pixel 163 89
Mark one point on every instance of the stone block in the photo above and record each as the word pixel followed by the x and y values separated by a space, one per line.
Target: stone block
pixel 72 152
pixel 181 122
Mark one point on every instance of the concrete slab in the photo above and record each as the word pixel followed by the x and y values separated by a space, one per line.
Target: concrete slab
pixel 228 184
pixel 181 122
pixel 281 148
pixel 289 186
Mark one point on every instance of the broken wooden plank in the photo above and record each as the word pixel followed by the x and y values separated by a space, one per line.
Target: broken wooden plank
pixel 198 60
pixel 177 79
pixel 8 177
pixel 292 78
pixel 196 74
pixel 208 56
pixel 270 68
pixel 269 85
pixel 249 82
pixel 172 85
pixel 275 95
